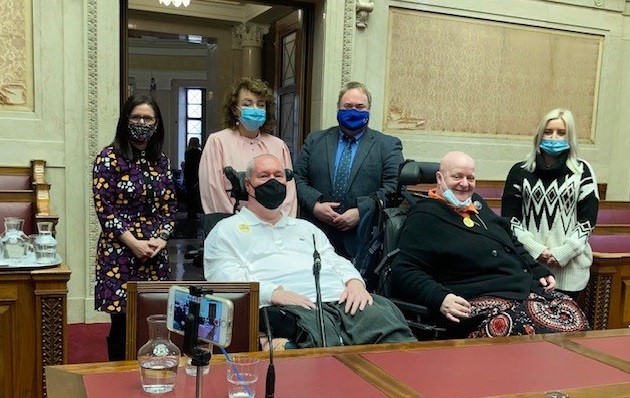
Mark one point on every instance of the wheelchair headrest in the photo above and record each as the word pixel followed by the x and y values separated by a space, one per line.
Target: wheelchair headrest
pixel 237 179
pixel 412 172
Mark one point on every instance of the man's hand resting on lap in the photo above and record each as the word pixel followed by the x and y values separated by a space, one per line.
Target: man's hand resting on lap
pixel 285 297
pixel 355 296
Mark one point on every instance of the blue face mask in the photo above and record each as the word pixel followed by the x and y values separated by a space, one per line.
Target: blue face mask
pixel 460 204
pixel 252 118
pixel 353 119
pixel 554 147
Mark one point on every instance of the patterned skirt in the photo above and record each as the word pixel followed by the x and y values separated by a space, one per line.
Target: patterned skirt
pixel 535 314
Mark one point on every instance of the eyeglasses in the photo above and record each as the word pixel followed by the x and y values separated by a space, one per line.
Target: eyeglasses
pixel 148 120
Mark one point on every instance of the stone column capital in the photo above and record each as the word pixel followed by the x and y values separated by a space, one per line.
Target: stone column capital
pixel 237 38
pixel 251 34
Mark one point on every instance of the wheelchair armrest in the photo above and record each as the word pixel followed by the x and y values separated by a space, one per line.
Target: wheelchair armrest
pixel 428 329
pixel 425 328
pixel 415 308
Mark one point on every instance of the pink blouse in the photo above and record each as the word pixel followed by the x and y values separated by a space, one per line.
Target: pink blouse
pixel 228 148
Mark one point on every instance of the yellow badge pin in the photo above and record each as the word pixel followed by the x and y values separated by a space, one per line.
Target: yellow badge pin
pixel 468 222
pixel 243 228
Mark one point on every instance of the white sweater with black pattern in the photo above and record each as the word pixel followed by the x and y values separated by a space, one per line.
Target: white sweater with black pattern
pixel 554 208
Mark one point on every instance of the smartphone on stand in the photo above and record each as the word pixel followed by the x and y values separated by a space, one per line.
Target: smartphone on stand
pixel 215 315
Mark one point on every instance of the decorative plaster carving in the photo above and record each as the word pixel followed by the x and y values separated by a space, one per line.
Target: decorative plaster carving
pixel 237 38
pixel 13 94
pixel 251 34
pixel 348 33
pixel 16 66
pixel 364 8
pixel 92 129
pixel 610 5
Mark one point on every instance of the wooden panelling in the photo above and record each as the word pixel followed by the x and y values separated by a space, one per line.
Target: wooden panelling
pixel 607 299
pixel 146 298
pixel 24 193
pixel 32 328
pixel 625 298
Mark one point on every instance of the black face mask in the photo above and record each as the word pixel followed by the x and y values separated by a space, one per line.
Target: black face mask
pixel 140 132
pixel 271 194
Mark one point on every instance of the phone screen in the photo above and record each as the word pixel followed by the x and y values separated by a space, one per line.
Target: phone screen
pixel 211 317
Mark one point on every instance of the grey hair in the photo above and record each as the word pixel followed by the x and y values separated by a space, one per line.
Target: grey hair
pixel 252 163
pixel 569 122
pixel 250 168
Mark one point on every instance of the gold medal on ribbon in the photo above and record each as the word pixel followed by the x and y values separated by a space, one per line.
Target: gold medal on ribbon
pixel 468 222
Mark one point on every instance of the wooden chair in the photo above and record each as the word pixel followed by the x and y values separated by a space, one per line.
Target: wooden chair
pixel 147 298
pixel 24 193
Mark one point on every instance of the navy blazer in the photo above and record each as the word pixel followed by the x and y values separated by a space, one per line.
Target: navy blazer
pixel 374 169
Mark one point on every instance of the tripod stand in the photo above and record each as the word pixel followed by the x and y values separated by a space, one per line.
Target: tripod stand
pixel 199 356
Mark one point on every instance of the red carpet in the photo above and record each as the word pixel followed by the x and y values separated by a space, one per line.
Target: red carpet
pixel 87 342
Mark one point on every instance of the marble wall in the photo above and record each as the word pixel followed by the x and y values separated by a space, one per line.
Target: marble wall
pixel 498 133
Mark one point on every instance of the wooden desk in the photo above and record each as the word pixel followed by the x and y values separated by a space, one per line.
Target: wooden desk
pixel 607 295
pixel 585 364
pixel 32 328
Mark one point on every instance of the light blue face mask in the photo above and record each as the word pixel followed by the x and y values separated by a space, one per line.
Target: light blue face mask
pixel 554 147
pixel 252 118
pixel 460 204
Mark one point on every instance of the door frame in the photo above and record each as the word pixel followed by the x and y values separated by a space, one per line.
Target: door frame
pixel 308 8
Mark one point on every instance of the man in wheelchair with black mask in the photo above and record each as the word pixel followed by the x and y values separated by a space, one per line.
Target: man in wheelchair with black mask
pixel 263 244
pixel 462 262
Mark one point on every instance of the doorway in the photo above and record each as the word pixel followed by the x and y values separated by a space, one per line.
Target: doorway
pixel 166 51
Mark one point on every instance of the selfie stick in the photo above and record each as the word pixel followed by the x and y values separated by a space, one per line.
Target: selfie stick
pixel 200 357
pixel 317 266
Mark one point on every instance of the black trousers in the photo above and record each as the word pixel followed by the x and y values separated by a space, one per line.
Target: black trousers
pixel 281 323
pixel 116 338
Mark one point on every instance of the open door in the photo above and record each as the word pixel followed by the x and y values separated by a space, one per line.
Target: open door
pixel 290 80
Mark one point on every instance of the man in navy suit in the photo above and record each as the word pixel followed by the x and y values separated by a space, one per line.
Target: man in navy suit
pixel 339 168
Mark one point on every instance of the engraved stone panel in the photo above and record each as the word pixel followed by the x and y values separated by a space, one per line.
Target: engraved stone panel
pixel 456 74
pixel 16 55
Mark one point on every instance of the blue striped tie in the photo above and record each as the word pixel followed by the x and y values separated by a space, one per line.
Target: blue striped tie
pixel 342 174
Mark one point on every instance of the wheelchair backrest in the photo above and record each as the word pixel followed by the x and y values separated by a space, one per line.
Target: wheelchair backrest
pixel 392 226
pixel 384 245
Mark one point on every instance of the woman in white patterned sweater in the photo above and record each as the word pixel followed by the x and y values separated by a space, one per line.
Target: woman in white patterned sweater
pixel 551 200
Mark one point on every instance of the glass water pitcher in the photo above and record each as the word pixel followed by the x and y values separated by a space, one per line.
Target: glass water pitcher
pixel 13 241
pixel 45 244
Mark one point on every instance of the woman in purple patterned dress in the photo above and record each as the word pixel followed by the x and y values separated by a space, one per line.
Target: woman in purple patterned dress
pixel 134 199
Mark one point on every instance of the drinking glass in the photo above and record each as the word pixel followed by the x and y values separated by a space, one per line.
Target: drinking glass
pixel 242 374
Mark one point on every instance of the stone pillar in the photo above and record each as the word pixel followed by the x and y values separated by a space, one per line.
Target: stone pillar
pixel 251 35
pixel 237 55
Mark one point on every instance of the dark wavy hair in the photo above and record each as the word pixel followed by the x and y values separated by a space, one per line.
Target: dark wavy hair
pixel 261 89
pixel 122 142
